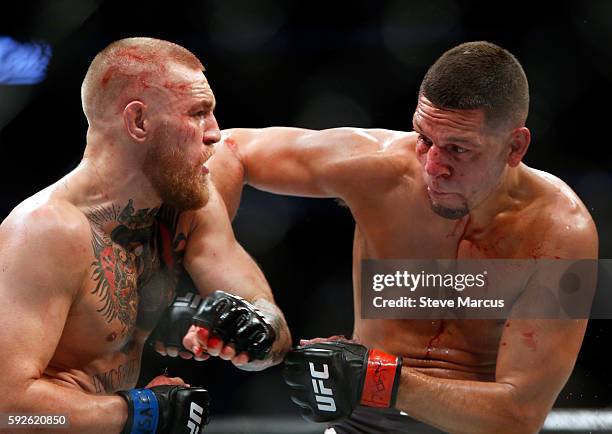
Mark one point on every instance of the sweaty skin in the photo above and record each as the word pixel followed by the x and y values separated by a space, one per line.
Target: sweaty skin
pixel 88 265
pixel 461 376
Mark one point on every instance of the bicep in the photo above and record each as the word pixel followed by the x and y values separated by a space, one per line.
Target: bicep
pixel 536 357
pixel 541 341
pixel 33 311
pixel 37 286
pixel 306 162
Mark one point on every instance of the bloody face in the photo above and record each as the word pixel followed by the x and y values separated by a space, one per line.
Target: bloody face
pixel 184 131
pixel 462 158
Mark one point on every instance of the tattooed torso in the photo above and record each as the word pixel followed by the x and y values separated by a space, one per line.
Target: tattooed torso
pixel 136 262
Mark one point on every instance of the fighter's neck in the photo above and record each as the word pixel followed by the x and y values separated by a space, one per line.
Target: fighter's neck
pixel 105 181
pixel 503 199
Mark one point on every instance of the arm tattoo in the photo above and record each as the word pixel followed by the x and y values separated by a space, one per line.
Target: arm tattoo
pixel 277 321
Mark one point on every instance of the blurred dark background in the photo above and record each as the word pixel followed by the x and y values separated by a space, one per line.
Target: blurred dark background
pixel 321 64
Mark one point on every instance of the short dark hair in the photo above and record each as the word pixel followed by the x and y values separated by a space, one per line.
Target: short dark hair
pixel 479 75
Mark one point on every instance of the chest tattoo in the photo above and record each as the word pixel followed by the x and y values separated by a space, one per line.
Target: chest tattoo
pixel 123 259
pixel 137 264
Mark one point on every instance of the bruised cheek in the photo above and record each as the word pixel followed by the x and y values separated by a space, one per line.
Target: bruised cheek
pixel 187 132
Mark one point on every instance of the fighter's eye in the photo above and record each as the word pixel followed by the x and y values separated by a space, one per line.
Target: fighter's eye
pixel 458 149
pixel 200 114
pixel 425 140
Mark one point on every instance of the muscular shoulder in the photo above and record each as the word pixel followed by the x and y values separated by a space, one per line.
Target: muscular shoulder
pixel 561 218
pixel 374 161
pixel 393 148
pixel 44 234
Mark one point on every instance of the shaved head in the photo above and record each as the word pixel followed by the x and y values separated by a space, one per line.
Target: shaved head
pixel 152 99
pixel 126 69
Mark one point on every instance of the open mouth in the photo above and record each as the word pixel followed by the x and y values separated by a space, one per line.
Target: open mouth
pixel 205 158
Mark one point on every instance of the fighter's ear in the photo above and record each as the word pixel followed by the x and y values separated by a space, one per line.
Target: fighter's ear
pixel 134 118
pixel 519 143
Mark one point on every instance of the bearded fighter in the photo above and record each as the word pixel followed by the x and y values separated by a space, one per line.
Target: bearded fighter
pixel 453 188
pixel 90 263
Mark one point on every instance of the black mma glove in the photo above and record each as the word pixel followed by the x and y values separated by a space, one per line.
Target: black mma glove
pixel 176 320
pixel 227 317
pixel 329 379
pixel 166 410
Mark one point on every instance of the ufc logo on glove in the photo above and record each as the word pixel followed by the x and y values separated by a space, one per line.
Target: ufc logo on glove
pixel 195 418
pixel 343 375
pixel 324 403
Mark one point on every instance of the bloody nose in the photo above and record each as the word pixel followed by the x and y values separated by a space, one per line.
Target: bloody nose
pixel 435 165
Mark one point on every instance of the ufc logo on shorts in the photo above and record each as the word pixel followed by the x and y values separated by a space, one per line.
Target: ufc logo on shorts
pixel 195 418
pixel 324 403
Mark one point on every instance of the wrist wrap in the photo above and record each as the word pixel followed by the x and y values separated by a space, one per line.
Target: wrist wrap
pixel 143 411
pixel 381 381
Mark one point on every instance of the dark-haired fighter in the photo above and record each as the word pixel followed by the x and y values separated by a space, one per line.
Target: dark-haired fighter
pixel 89 264
pixel 453 188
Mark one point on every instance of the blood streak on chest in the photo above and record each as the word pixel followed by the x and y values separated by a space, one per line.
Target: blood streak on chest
pixel 435 338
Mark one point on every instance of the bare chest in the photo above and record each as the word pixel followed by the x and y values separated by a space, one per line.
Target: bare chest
pixel 406 228
pixel 128 285
pixel 401 225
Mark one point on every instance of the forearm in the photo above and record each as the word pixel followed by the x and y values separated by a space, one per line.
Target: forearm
pixel 251 284
pixel 458 406
pixel 282 344
pixel 262 299
pixel 85 413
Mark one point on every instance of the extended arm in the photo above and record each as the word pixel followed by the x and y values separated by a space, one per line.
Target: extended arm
pixel 294 161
